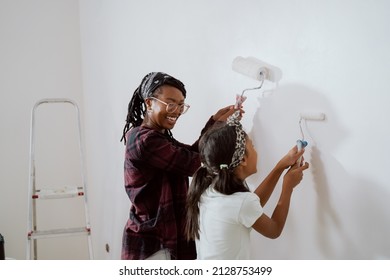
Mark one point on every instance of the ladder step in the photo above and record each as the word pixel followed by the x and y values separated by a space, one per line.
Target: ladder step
pixel 59 232
pixel 64 192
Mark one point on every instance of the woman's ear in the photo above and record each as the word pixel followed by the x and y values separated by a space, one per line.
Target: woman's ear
pixel 148 103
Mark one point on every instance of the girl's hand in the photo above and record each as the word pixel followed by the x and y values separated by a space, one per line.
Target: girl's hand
pixel 294 175
pixel 291 157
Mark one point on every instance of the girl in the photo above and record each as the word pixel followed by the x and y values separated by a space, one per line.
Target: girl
pixel 221 210
pixel 156 170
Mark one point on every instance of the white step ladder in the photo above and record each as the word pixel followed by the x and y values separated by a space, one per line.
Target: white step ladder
pixel 58 192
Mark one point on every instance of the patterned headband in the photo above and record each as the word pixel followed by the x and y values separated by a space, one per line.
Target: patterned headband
pixel 154 80
pixel 239 151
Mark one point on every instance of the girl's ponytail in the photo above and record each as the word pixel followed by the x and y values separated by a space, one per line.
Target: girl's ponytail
pixel 201 180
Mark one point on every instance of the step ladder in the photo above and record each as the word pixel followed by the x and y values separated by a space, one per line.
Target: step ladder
pixel 58 192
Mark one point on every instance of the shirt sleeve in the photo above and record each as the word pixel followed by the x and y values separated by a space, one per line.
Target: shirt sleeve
pixel 250 210
pixel 195 146
pixel 160 152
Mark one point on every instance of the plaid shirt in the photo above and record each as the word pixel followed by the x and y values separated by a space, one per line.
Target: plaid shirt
pixel 156 180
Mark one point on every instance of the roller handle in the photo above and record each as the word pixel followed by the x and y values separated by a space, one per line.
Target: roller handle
pixel 300 145
pixel 239 100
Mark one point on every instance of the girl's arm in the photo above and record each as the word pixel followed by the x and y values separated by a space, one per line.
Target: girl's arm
pixel 273 226
pixel 267 186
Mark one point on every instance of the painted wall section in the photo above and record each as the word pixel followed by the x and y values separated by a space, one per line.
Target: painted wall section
pixel 334 57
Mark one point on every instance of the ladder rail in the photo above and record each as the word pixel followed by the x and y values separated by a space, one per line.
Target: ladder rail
pixel 31 224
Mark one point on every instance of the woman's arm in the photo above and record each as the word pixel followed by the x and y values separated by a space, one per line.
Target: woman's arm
pixel 158 151
pixel 220 116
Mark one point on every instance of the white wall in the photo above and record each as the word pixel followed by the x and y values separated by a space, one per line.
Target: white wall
pixel 40 57
pixel 335 59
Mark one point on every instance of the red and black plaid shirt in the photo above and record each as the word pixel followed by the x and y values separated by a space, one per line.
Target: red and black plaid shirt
pixel 156 180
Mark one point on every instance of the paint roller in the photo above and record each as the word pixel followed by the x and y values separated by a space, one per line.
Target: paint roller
pixel 260 70
pixel 307 116
pixel 255 69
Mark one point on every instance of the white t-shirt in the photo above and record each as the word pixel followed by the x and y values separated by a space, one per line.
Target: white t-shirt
pixel 225 222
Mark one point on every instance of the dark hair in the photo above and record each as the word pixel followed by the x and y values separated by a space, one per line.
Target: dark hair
pixel 148 87
pixel 216 148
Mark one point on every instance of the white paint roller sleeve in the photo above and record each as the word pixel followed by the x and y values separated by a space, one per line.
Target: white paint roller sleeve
pixel 312 116
pixel 252 67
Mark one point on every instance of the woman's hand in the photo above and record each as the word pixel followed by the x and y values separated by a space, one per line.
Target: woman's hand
pixel 225 112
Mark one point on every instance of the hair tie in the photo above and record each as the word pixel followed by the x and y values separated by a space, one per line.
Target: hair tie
pixel 222 166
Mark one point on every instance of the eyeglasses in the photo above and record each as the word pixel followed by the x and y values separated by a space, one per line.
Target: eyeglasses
pixel 172 107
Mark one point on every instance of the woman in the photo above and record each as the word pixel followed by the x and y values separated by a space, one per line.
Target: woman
pixel 156 170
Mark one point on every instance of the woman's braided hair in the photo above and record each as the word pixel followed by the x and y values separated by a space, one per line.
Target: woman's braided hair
pixel 137 107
